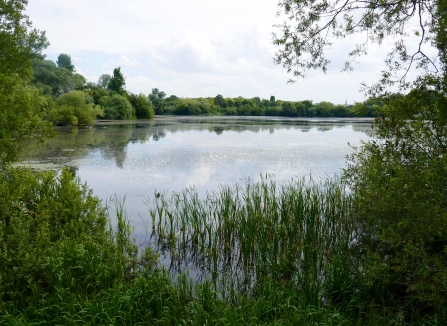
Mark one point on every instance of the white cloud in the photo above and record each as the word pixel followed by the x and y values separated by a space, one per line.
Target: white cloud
pixel 123 61
pixel 193 48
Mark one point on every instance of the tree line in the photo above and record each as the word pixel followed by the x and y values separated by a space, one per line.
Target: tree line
pixel 71 100
pixel 256 106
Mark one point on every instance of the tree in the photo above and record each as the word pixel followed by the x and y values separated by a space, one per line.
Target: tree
pixel 55 80
pixel 103 80
pixel 398 178
pixel 399 181
pixel 288 109
pixel 324 109
pixel 117 107
pixel 303 42
pixel 157 98
pixel 21 105
pixel 117 82
pixel 64 61
pixel 219 100
pixel 143 107
pixel 19 43
pixel 73 109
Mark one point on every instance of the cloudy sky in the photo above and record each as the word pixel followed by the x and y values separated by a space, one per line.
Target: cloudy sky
pixel 196 48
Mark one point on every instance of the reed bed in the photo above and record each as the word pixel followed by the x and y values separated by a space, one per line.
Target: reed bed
pixel 242 237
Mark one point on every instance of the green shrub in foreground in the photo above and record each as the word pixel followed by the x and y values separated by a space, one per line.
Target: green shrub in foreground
pixel 59 264
pixel 47 223
pixel 399 179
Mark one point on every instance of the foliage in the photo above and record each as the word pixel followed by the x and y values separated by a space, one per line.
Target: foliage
pixel 55 80
pixel 257 107
pixel 157 98
pixel 143 107
pixel 368 107
pixel 64 61
pixel 312 25
pixel 117 82
pixel 192 107
pixel 399 180
pixel 21 106
pixel 39 216
pixel 72 109
pixel 97 279
pixel 18 41
pixel 103 80
pixel 117 107
pixel 21 111
pixel 219 100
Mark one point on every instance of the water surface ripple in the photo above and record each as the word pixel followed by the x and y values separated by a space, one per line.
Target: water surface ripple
pixel 137 158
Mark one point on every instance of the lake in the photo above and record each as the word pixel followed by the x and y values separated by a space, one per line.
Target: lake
pixel 136 159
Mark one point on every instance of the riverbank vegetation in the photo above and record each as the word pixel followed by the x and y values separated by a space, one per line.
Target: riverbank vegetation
pixel 367 249
pixel 108 99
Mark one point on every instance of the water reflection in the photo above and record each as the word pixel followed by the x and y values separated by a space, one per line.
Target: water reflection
pixel 112 140
pixel 137 159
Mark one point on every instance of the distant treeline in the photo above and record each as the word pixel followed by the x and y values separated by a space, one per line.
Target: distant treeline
pixel 68 99
pixel 257 107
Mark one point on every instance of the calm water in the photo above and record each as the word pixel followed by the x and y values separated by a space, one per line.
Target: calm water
pixel 137 159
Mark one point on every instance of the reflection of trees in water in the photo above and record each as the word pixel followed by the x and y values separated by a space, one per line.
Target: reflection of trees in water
pixel 116 147
pixel 111 141
pixel 326 127
pixel 366 128
pixel 158 134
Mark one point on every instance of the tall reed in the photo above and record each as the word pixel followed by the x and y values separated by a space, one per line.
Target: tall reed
pixel 242 237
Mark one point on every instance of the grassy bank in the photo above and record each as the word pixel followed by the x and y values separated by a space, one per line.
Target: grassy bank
pixel 263 254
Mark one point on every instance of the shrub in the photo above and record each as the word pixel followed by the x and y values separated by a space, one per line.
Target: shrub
pixel 48 226
pixel 72 109
pixel 117 107
pixel 400 180
pixel 143 107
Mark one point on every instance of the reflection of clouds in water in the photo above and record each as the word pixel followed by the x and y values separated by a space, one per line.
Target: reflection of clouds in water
pixel 137 161
pixel 201 175
pixel 176 152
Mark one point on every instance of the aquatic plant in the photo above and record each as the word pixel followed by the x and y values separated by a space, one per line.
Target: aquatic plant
pixel 242 237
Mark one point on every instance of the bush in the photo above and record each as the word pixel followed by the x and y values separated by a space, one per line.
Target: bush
pixel 143 107
pixel 72 109
pixel 190 107
pixel 400 180
pixel 49 227
pixel 117 107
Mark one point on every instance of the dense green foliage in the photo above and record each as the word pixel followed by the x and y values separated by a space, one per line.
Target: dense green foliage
pixel 64 61
pixel 40 215
pixel 117 107
pixel 72 109
pixel 55 80
pixel 399 180
pixel 21 105
pixel 272 253
pixel 143 107
pixel 257 107
pixel 291 253
pixel 116 82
